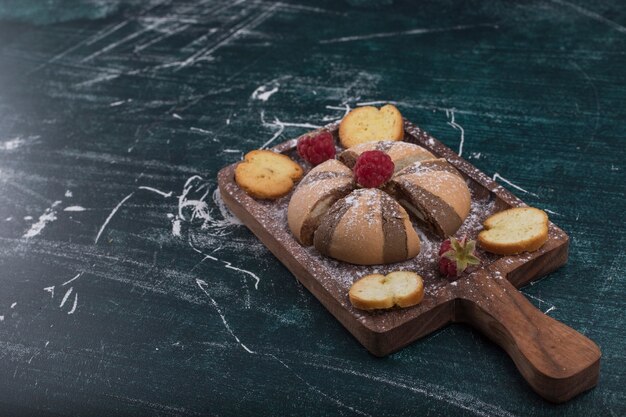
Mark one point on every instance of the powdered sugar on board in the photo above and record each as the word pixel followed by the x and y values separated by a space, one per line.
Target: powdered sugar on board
pixel 340 274
pixel 330 280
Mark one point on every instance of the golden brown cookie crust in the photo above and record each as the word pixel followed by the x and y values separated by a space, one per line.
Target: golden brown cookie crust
pixel 513 231
pixel 369 124
pixel 267 175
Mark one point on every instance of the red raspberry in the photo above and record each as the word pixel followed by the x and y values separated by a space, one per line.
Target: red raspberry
pixel 456 255
pixel 373 169
pixel 317 148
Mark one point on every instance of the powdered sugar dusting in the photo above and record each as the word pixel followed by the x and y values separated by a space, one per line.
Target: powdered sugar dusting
pixel 330 280
pixel 341 275
pixel 369 197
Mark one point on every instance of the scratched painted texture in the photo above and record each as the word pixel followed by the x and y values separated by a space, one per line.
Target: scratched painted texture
pixel 125 289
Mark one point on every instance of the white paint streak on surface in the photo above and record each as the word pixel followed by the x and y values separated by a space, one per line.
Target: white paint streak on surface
pixel 213 258
pixel 142 187
pixel 256 278
pixel 552 306
pixel 233 33
pixel 317 390
pixel 345 108
pixel 375 103
pixel 192 205
pixel 73 279
pixel 455 125
pixel 229 218
pixel 198 206
pixel 74 305
pixel 301 7
pixel 50 290
pixel 498 176
pixel 74 208
pixel 202 284
pixel 176 227
pixel 264 92
pixel 197 129
pixel 419 31
pixel 457 399
pixel 105 32
pixel 90 40
pixel 48 216
pixel 108 219
pixel 106 75
pixel 592 15
pixel 154 190
pixel 281 128
pixel 305 125
pixel 10 144
pixel 130 37
pixel 17 142
pixel 66 296
pixel 227 265
pixel 173 30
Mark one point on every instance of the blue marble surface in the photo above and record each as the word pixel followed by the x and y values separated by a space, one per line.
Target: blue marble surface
pixel 127 289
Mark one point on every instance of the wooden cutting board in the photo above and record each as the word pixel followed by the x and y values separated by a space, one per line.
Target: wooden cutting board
pixel 557 361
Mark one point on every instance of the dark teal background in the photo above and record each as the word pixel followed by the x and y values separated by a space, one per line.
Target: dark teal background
pixel 100 98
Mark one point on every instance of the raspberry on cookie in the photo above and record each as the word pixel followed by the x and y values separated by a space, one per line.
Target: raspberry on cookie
pixel 373 169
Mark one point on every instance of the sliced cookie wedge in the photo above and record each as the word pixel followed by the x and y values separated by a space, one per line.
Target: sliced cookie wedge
pixel 367 227
pixel 434 193
pixel 316 193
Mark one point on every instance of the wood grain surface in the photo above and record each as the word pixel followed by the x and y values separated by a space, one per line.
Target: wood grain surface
pixel 126 287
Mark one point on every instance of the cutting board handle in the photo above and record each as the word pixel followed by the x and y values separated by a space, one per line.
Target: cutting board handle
pixel 557 361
